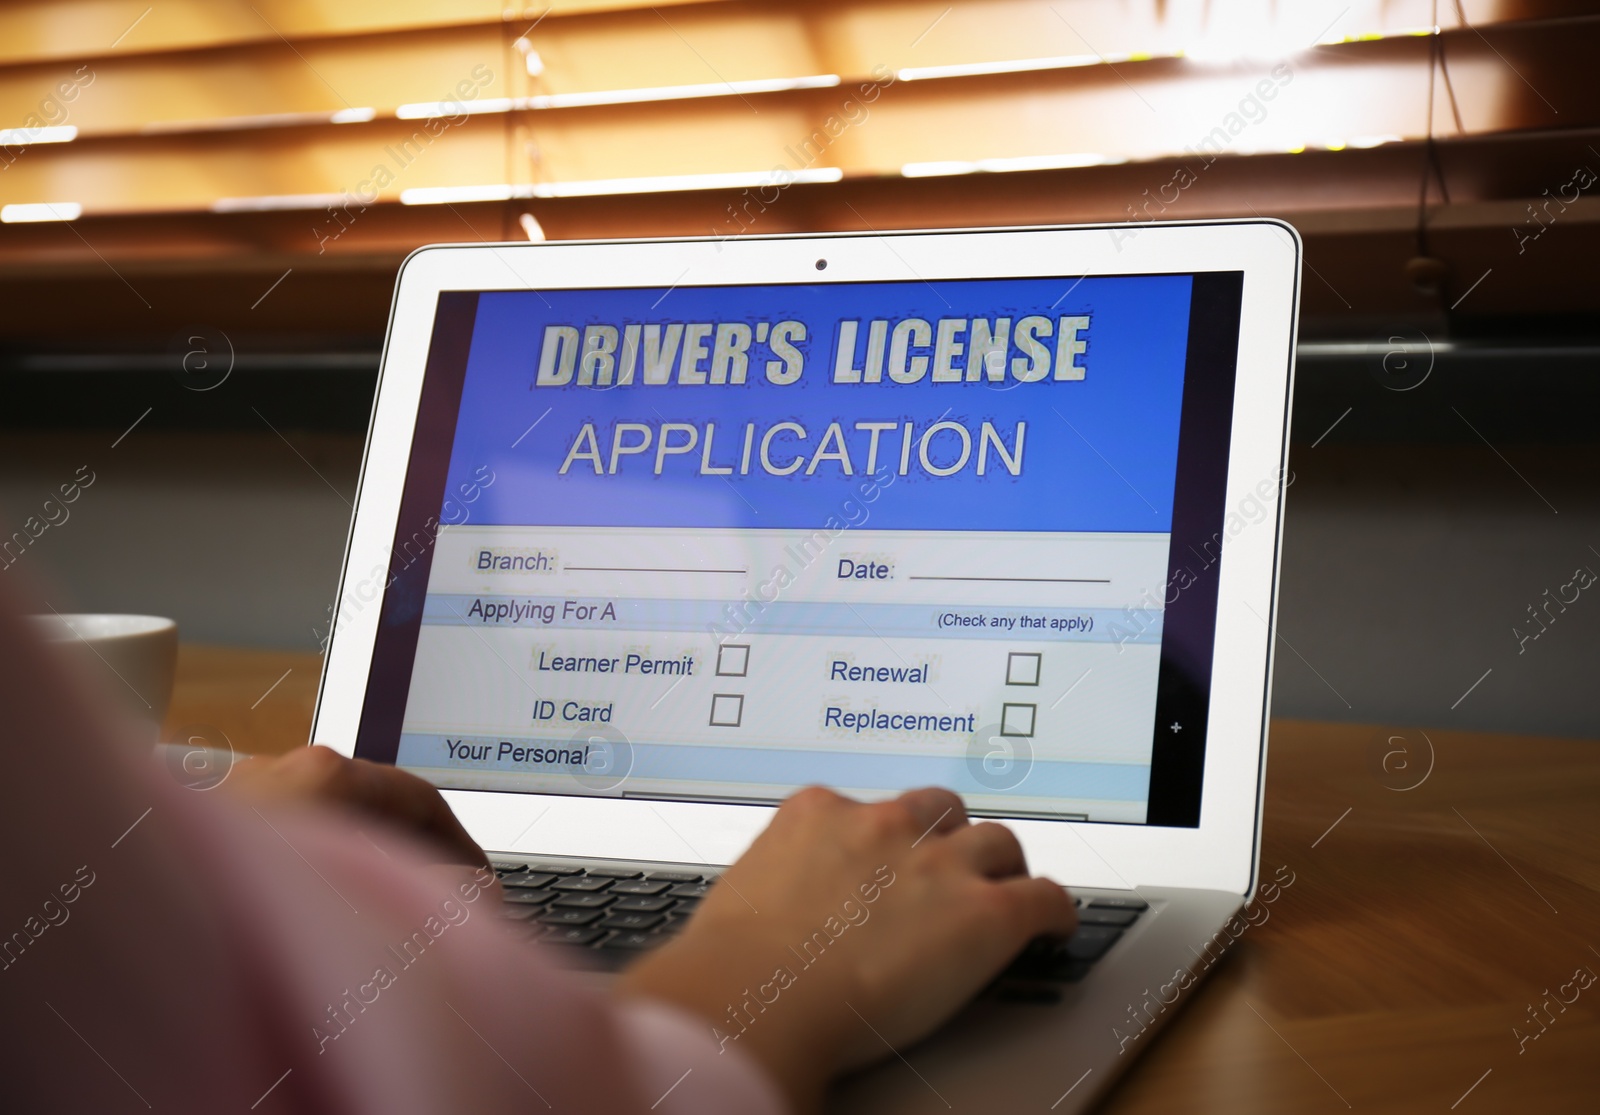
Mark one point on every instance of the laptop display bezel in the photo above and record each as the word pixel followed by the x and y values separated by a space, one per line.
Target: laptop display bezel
pixel 1218 854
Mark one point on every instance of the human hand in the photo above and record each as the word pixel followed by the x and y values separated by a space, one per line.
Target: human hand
pixel 377 790
pixel 848 926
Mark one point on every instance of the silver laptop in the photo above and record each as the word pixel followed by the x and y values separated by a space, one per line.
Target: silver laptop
pixel 652 533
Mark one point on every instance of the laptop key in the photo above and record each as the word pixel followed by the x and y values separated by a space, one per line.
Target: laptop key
pixel 613 873
pixel 556 869
pixel 1121 902
pixel 1045 959
pixel 581 883
pixel 673 877
pixel 1034 960
pixel 1094 915
pixel 631 919
pixel 582 901
pixel 1027 991
pixel 519 912
pixel 506 867
pixel 527 879
pixel 690 890
pixel 632 939
pixel 1090 942
pixel 642 903
pixel 638 886
pixel 524 897
pixel 571 935
pixel 1060 970
pixel 1071 971
pixel 570 917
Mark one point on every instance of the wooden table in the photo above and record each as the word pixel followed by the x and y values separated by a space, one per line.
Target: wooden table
pixel 260 701
pixel 1446 886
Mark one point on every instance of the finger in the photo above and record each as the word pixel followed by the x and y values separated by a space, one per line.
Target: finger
pixel 1043 907
pixel 394 796
pixel 934 810
pixel 306 769
pixel 991 849
pixel 306 773
pixel 812 799
pixel 402 800
pixel 408 802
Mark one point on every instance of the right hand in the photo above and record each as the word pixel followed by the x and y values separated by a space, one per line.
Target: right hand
pixel 908 911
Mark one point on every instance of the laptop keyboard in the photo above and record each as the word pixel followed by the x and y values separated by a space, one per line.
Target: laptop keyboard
pixel 1101 923
pixel 617 913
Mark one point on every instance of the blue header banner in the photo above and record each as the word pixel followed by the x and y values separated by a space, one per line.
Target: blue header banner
pixel 994 404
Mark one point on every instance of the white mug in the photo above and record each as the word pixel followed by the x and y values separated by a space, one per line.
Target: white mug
pixel 131 659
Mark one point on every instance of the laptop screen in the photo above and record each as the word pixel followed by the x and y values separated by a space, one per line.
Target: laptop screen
pixel 716 543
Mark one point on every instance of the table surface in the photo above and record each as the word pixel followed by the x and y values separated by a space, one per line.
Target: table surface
pixel 1446 891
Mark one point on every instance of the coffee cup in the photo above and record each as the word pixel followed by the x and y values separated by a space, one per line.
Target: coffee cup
pixel 131 659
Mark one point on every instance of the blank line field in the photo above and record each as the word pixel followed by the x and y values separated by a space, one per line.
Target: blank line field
pixel 632 569
pixel 1025 580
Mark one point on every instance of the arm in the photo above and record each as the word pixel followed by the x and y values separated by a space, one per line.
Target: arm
pixel 177 949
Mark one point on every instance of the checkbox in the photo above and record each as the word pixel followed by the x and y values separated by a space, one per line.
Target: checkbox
pixel 1017 720
pixel 1022 667
pixel 727 710
pixel 733 660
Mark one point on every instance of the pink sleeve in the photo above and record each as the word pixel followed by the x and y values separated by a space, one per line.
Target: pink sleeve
pixel 169 949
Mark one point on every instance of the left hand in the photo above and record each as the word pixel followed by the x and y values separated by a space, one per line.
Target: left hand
pixel 377 790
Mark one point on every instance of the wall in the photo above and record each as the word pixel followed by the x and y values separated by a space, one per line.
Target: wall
pixel 1404 571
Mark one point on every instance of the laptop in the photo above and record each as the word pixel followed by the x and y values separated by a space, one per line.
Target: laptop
pixel 652 533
